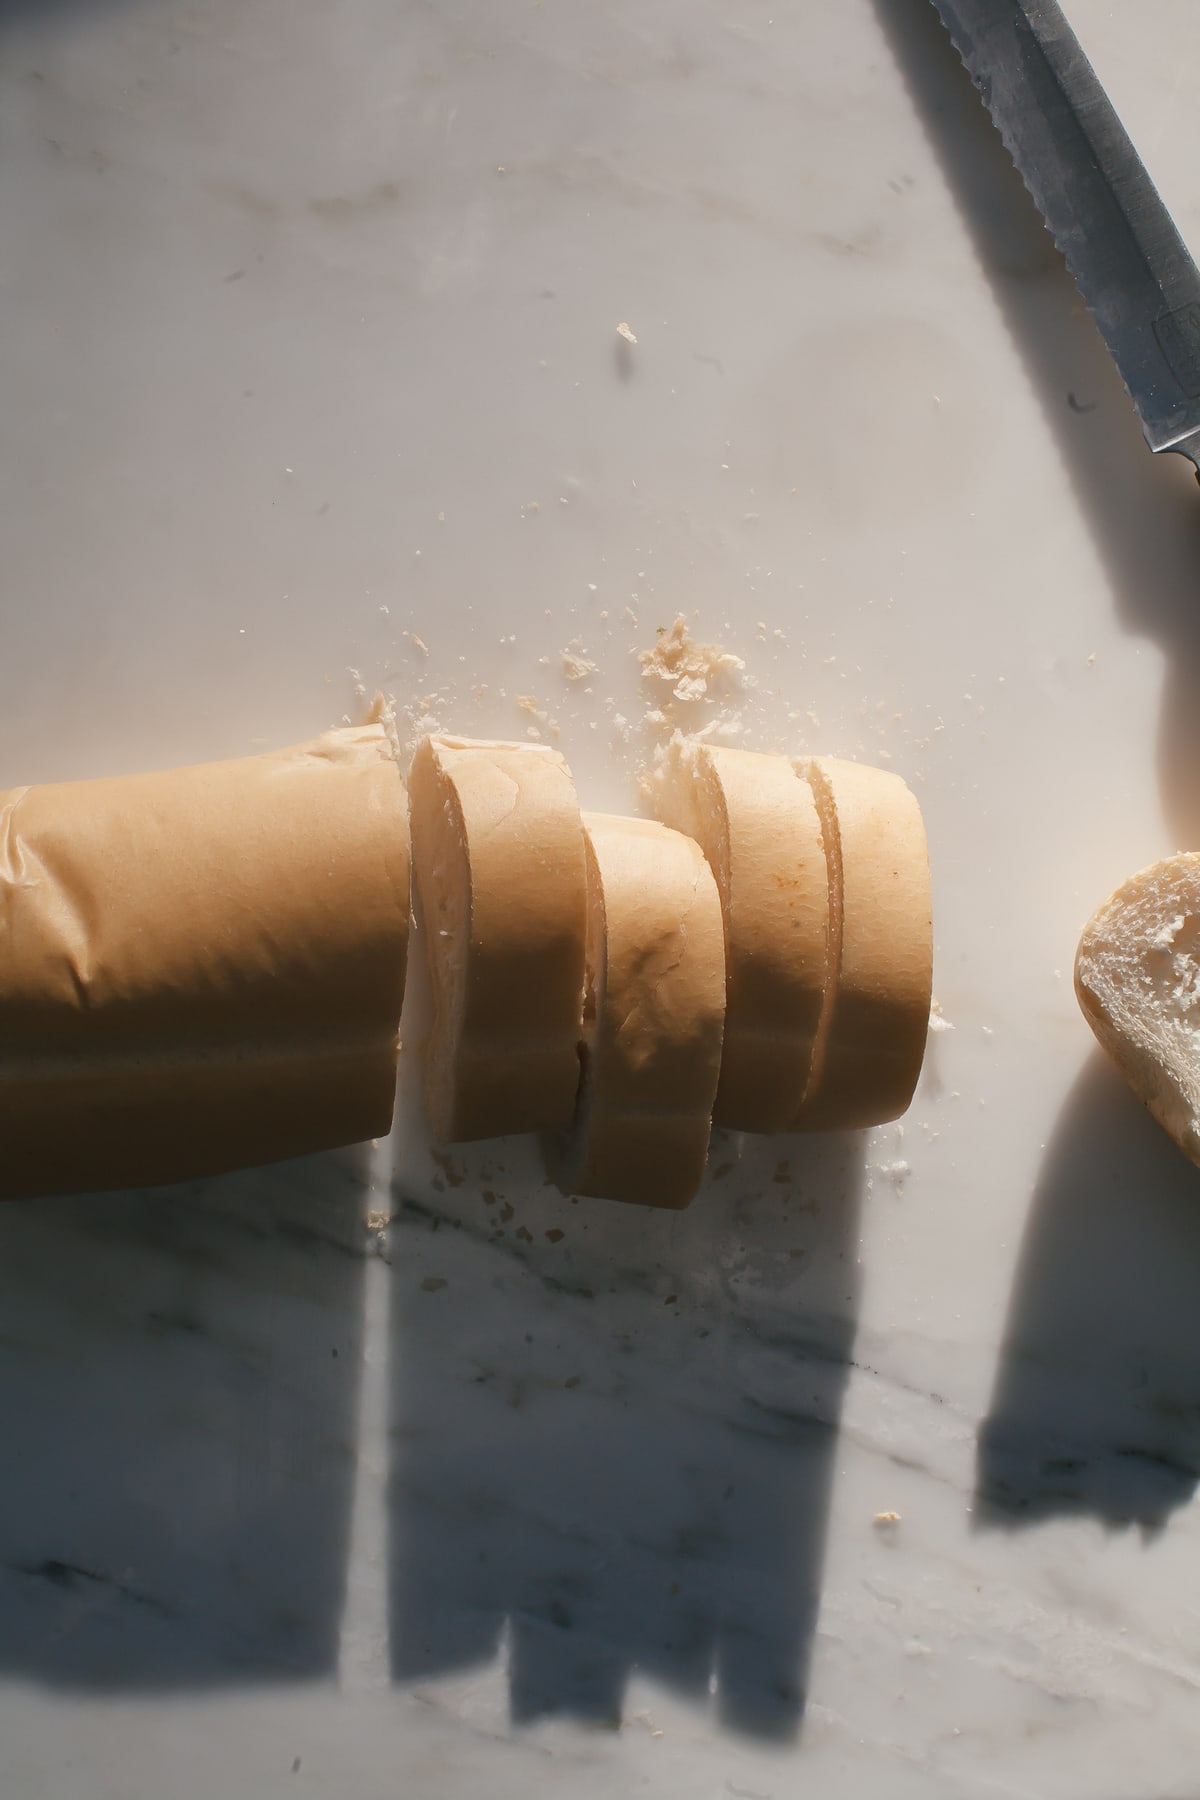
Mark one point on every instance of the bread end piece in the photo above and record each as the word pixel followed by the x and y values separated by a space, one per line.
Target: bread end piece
pixel 1137 979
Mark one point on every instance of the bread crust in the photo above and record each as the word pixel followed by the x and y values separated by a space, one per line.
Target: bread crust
pixel 203 968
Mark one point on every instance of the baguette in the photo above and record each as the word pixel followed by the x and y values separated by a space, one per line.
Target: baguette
pixel 875 1016
pixel 201 969
pixel 758 825
pixel 1137 978
pixel 653 1017
pixel 498 855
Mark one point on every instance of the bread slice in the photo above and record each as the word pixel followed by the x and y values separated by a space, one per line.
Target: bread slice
pixel 203 968
pixel 498 858
pixel 1137 977
pixel 757 823
pixel 875 1018
pixel 653 1017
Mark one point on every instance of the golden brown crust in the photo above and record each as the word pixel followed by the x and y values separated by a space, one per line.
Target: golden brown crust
pixel 655 1018
pixel 499 868
pixel 757 823
pixel 872 1037
pixel 202 968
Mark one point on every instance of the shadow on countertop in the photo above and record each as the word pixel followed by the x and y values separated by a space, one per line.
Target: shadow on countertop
pixel 1143 511
pixel 178 1396
pixel 38 12
pixel 1096 1408
pixel 1097 1404
pixel 613 1430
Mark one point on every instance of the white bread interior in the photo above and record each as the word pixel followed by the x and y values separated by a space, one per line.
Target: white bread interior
pixel 871 1038
pixel 201 969
pixel 653 1017
pixel 1137 977
pixel 756 821
pixel 498 857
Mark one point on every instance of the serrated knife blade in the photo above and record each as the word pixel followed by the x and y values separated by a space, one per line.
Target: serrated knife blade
pixel 1118 240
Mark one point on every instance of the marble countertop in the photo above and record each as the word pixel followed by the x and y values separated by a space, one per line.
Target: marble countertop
pixel 874 1473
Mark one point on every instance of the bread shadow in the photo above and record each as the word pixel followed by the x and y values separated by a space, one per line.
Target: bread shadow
pixel 1143 511
pixel 37 12
pixel 178 1400
pixel 613 1429
pixel 1096 1407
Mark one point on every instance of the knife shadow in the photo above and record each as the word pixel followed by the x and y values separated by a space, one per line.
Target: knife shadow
pixel 613 1430
pixel 1143 511
pixel 178 1406
pixel 1094 1409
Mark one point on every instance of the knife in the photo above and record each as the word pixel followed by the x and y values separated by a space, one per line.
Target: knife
pixel 1092 189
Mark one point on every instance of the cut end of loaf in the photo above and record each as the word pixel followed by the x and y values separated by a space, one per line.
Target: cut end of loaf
pixel 1137 979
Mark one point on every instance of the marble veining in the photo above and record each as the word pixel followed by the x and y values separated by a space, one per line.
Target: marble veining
pixel 645 1423
pixel 874 1473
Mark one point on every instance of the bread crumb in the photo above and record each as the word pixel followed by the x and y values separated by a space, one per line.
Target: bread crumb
pixel 725 725
pixel 418 643
pixel 624 331
pixel 883 1520
pixel 577 667
pixel 528 704
pixel 687 670
pixel 432 1283
pixel 937 1019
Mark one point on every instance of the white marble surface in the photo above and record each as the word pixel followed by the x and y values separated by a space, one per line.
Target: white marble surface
pixel 508 1495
